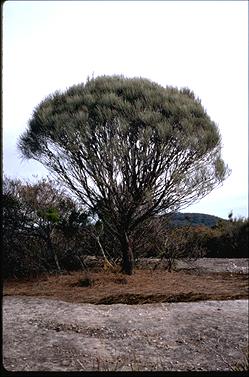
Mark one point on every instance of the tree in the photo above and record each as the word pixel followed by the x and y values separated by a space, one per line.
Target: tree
pixel 127 148
pixel 37 219
pixel 230 239
pixel 157 238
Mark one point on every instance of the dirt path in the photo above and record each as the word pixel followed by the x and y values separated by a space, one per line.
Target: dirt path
pixel 51 335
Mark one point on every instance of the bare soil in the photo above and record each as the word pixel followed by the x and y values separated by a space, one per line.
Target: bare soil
pixel 50 335
pixel 55 324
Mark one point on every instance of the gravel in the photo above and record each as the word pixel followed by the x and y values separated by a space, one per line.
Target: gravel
pixel 50 335
pixel 239 265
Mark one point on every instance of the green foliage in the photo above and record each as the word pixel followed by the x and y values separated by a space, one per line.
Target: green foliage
pixel 51 214
pixel 39 231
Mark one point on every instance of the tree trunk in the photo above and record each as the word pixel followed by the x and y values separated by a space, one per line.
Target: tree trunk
pixel 53 252
pixel 127 255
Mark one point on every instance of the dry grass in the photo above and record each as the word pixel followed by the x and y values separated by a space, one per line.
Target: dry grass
pixel 143 287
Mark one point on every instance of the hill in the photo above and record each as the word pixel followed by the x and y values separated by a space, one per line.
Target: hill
pixel 179 219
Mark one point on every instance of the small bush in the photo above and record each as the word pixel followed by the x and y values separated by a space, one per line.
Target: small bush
pixel 86 282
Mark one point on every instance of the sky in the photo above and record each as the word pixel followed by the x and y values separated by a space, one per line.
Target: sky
pixel 203 45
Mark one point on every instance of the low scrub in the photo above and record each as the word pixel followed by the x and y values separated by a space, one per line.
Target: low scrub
pixel 45 231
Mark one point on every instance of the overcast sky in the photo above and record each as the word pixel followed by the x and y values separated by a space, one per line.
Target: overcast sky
pixel 50 45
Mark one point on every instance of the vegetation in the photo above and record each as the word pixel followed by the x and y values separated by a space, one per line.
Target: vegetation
pixel 243 364
pixel 145 286
pixel 227 239
pixel 134 364
pixel 45 230
pixel 128 149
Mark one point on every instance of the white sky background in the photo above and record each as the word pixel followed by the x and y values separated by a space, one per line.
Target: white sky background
pixel 51 45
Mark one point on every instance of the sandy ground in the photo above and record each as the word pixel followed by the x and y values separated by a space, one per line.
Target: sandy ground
pixel 206 265
pixel 50 335
pixel 42 334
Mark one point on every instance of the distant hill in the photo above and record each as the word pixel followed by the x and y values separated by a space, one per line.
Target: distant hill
pixel 179 219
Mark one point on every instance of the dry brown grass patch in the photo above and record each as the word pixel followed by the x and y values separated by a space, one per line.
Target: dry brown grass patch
pixel 142 287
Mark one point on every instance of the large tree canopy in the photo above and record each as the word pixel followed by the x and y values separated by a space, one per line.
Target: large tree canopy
pixel 128 148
